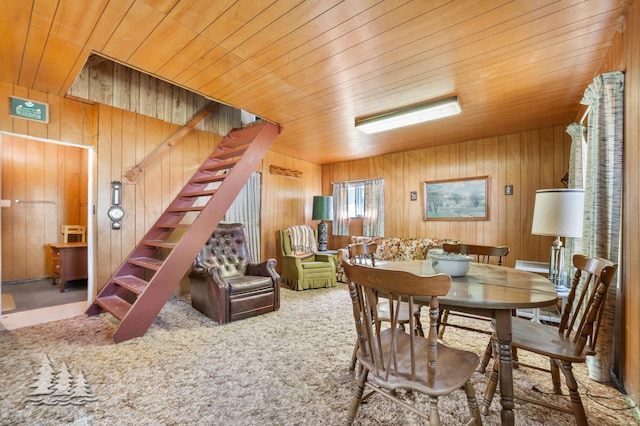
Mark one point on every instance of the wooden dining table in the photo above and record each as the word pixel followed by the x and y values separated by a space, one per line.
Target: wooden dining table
pixel 491 291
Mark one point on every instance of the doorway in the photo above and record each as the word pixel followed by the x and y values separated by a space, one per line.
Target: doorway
pixel 45 184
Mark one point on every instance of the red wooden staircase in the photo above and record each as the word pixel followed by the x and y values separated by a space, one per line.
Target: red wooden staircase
pixel 138 290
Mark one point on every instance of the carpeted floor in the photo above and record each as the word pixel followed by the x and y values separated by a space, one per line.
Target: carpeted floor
pixel 285 368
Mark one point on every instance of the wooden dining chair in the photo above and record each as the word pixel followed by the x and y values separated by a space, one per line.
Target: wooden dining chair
pixel 481 254
pixel 573 340
pixel 364 253
pixel 393 359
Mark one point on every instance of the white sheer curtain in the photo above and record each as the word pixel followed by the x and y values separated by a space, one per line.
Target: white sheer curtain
pixel 603 199
pixel 373 224
pixel 246 209
pixel 577 162
pixel 340 209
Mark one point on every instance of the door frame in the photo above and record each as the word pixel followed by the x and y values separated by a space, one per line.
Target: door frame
pixel 91 217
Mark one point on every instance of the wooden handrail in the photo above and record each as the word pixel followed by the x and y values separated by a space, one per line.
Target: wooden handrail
pixel 137 170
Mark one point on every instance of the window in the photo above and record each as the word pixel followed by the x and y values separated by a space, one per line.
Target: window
pixel 355 199
pixel 359 199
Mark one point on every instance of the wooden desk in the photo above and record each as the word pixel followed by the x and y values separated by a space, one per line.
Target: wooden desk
pixel 491 291
pixel 68 262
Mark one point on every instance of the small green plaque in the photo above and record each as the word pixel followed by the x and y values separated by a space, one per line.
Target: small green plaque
pixel 31 110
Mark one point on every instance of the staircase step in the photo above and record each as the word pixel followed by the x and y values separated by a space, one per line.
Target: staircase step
pixel 185 209
pixel 147 262
pixel 114 305
pixel 196 194
pixel 236 151
pixel 209 179
pixel 159 244
pixel 173 225
pixel 220 165
pixel 131 283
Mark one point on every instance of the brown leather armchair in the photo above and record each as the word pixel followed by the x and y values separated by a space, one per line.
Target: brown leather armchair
pixel 225 285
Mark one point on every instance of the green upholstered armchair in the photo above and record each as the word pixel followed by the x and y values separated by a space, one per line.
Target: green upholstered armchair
pixel 305 272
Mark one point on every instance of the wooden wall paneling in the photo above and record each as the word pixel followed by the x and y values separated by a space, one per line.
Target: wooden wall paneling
pixel 164 163
pixel 54 127
pixel 153 175
pixel 8 252
pixel 456 152
pixel 103 184
pixel 415 162
pixel 101 88
pixel 129 189
pixel 443 172
pixel 136 91
pixel 490 230
pixel 503 180
pixel 121 86
pixel 20 211
pixel 115 173
pixel 178 109
pixel 35 212
pixel 429 174
pixel 394 218
pixel 72 123
pixel 140 154
pixel 515 224
pixel 630 269
pixel 469 168
pixel 148 95
pixel 530 168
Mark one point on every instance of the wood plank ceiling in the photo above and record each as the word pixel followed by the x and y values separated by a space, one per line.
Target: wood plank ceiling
pixel 314 66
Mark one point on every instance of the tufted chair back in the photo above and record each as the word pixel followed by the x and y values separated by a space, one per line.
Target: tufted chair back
pixel 227 250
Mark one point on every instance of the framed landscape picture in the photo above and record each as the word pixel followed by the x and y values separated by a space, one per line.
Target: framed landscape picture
pixel 457 199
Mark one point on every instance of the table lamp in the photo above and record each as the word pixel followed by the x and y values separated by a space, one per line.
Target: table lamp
pixel 322 210
pixel 558 213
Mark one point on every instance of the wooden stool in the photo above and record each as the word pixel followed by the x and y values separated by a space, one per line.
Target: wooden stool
pixel 66 230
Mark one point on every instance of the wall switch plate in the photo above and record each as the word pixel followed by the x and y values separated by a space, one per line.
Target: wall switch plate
pixel 413 195
pixel 508 190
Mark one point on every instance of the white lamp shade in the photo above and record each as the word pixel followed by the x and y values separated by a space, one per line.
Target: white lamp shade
pixel 558 212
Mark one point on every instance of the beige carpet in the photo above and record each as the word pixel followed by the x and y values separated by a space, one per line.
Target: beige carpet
pixel 8 304
pixel 284 368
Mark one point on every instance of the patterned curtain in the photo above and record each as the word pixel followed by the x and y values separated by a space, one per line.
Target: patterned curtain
pixel 603 199
pixel 577 161
pixel 340 210
pixel 373 224
pixel 246 209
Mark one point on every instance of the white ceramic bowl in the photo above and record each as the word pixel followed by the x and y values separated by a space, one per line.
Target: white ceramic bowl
pixel 456 265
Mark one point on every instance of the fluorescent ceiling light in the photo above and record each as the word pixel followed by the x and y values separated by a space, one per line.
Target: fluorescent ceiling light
pixel 411 115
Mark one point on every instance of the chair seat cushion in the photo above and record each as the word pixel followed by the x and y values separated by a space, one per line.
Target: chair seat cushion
pixel 248 283
pixel 316 265
pixel 544 340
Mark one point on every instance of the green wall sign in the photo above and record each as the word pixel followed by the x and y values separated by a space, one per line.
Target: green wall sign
pixel 31 110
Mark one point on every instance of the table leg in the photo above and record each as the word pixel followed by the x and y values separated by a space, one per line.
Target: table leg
pixel 503 331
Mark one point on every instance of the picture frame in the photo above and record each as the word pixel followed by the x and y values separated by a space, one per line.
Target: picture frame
pixel 457 199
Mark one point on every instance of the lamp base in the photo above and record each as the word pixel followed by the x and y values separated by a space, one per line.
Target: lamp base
pixel 556 265
pixel 323 235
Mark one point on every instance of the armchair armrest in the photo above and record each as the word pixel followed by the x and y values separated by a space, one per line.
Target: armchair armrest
pixel 209 285
pixel 263 269
pixel 321 257
pixel 267 269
